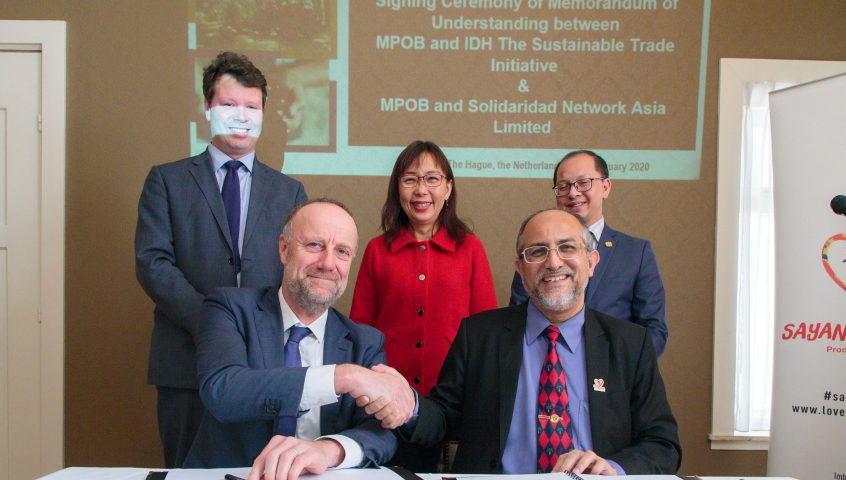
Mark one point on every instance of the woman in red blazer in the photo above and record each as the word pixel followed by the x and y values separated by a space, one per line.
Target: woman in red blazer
pixel 425 273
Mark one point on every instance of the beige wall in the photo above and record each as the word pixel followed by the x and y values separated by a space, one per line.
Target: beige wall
pixel 126 88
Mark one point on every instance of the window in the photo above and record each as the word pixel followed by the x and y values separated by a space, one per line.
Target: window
pixel 743 302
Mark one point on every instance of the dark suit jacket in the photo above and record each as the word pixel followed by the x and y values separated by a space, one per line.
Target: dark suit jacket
pixel 183 251
pixel 631 422
pixel 626 285
pixel 244 384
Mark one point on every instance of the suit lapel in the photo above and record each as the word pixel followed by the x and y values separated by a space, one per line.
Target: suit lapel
pixel 258 194
pixel 605 254
pixel 204 176
pixel 597 358
pixel 337 349
pixel 510 361
pixel 269 328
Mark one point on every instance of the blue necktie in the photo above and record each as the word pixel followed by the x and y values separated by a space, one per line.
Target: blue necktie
pixel 287 424
pixel 232 204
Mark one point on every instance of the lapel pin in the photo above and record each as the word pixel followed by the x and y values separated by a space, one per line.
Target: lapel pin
pixel 598 385
pixel 609 244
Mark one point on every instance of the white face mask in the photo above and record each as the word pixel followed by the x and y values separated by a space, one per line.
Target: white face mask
pixel 230 120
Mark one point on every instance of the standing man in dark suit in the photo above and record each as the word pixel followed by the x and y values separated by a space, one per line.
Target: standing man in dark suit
pixel 289 415
pixel 589 382
pixel 203 222
pixel 626 283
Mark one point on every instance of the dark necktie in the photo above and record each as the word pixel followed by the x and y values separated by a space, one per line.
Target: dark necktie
pixel 232 204
pixel 555 432
pixel 287 424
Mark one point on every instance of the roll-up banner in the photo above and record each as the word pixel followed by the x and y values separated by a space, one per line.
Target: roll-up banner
pixel 808 431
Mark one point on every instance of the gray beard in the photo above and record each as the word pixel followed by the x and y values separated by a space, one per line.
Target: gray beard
pixel 558 304
pixel 307 300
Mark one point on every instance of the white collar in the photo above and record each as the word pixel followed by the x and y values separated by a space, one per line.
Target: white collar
pixel 289 319
pixel 596 228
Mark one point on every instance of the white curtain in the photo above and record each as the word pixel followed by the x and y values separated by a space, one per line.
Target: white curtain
pixel 755 266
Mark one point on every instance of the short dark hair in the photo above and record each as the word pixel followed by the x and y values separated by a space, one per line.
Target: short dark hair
pixel 286 228
pixel 237 65
pixel 587 236
pixel 599 163
pixel 394 218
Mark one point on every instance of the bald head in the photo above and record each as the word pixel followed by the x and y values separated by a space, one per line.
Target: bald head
pixel 556 257
pixel 587 237
pixel 317 246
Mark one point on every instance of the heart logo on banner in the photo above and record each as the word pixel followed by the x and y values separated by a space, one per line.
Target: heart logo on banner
pixel 834 259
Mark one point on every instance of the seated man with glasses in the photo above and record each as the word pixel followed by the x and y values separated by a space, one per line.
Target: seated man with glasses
pixel 550 385
pixel 626 283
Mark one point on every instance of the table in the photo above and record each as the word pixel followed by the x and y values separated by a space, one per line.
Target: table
pixel 102 473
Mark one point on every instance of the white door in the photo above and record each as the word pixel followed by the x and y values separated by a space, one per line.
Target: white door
pixel 20 356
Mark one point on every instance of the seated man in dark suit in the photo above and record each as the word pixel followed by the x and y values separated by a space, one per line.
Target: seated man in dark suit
pixel 550 385
pixel 626 284
pixel 279 369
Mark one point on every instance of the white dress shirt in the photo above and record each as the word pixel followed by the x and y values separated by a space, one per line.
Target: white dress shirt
pixel 319 387
pixel 245 182
pixel 596 228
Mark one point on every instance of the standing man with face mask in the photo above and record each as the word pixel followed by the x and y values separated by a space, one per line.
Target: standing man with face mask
pixel 207 221
pixel 626 284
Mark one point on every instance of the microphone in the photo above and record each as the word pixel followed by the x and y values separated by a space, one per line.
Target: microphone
pixel 838 204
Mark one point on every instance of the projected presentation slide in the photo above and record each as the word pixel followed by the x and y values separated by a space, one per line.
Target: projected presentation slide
pixel 506 87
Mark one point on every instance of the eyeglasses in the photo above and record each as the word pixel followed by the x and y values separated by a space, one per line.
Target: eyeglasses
pixel 538 253
pixel 409 180
pixel 581 185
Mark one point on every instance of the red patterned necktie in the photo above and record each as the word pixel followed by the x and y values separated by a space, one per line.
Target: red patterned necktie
pixel 555 433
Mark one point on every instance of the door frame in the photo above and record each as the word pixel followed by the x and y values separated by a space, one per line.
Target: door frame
pixel 50 38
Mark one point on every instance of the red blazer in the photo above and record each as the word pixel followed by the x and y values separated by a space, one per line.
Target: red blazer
pixel 416 293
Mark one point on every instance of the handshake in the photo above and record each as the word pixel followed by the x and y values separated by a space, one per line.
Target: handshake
pixel 383 393
pixel 381 390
